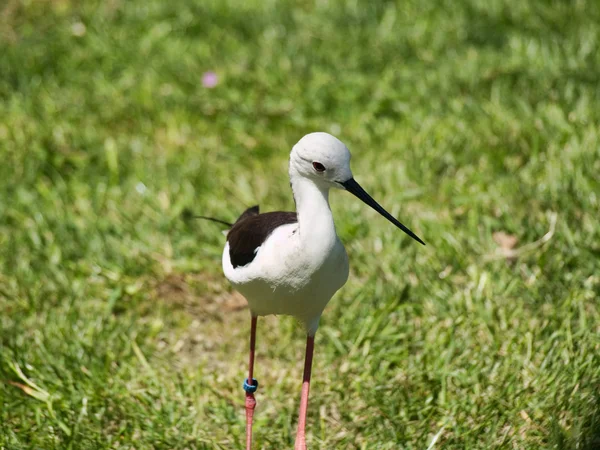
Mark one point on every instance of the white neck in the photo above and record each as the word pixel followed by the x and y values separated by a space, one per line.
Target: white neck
pixel 315 221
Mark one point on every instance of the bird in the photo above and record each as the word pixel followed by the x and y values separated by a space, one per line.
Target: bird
pixel 292 263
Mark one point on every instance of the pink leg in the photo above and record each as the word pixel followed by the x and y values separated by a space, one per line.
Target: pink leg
pixel 300 435
pixel 250 401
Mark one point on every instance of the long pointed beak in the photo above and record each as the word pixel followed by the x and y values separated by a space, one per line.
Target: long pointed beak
pixel 354 188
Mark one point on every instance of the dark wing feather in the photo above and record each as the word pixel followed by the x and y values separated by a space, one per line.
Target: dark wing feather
pixel 252 211
pixel 251 230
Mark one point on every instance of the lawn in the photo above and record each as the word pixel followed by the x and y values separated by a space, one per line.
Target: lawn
pixel 475 122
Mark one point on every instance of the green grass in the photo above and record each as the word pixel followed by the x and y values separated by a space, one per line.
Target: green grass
pixel 465 119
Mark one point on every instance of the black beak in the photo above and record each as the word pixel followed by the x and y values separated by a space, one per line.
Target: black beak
pixel 353 187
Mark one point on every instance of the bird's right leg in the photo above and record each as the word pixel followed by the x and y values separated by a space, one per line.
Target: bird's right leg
pixel 250 386
pixel 301 433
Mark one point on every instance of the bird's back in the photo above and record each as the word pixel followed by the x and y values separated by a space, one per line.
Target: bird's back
pixel 251 230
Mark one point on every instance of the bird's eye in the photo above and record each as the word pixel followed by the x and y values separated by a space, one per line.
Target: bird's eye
pixel 319 167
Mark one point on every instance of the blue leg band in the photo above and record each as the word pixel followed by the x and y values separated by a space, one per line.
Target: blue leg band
pixel 251 388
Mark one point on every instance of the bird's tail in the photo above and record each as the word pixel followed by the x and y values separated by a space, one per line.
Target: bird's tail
pixel 212 219
pixel 252 211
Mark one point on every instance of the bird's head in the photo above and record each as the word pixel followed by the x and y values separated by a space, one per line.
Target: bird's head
pixel 322 158
pixel 325 160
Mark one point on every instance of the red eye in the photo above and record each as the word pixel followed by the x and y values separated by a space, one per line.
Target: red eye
pixel 319 167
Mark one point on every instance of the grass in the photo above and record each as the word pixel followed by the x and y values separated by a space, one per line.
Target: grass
pixel 466 119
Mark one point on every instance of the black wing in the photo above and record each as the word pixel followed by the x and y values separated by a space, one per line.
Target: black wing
pixel 251 230
pixel 252 211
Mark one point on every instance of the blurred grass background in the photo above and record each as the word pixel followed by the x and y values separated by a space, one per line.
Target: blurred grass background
pixel 475 122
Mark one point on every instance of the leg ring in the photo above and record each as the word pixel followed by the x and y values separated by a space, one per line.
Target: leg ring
pixel 251 388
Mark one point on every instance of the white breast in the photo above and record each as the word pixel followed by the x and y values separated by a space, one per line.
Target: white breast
pixel 288 278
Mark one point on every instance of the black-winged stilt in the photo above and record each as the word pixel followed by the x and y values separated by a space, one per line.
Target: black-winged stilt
pixel 292 263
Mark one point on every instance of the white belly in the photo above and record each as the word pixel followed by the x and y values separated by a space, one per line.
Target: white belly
pixel 287 278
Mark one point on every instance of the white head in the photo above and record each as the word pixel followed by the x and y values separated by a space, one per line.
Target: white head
pixel 325 160
pixel 322 158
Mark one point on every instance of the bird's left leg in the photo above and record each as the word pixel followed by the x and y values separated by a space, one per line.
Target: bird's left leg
pixel 301 433
pixel 250 386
